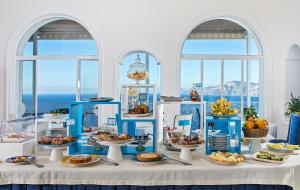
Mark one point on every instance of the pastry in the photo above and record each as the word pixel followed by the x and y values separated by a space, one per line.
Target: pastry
pixel 19 159
pixel 138 75
pixel 113 137
pixel 141 109
pixel 187 140
pixel 59 140
pixel 148 157
pixel 79 159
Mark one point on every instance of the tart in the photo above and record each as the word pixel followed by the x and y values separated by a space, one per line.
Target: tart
pixel 79 159
pixel 148 157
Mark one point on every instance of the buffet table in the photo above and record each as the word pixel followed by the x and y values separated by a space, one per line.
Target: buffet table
pixel 202 174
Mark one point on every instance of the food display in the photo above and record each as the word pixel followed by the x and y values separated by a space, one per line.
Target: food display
pixel 114 137
pixel 223 108
pixel 79 160
pixel 59 140
pixel 20 159
pixel 140 109
pixel 148 157
pixel 254 127
pixel 138 70
pixel 226 158
pixel 283 148
pixel 247 141
pixel 187 141
pixel 138 75
pixel 264 155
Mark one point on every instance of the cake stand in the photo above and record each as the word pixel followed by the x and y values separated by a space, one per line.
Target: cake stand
pixel 185 151
pixel 56 151
pixel 114 151
pixel 254 144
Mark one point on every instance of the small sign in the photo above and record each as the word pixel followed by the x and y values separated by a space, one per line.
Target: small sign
pixel 111 121
pixel 70 122
pixel 183 122
pixel 143 96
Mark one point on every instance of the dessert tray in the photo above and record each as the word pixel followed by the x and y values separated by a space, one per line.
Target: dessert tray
pixel 100 99
pixel 149 158
pixel 283 148
pixel 20 160
pixel 269 157
pixel 80 160
pixel 56 145
pixel 138 114
pixel 114 142
pixel 186 144
pixel 226 158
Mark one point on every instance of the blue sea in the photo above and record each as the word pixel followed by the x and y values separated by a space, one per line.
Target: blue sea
pixel 51 102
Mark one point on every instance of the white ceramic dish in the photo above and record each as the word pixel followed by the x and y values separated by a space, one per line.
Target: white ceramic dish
pixel 94 160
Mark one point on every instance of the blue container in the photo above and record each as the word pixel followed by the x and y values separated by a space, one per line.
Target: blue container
pixel 294 130
pixel 229 126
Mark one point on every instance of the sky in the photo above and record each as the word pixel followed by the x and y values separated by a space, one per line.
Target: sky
pixel 58 77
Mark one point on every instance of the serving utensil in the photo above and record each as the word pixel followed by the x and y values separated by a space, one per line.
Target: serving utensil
pixel 110 162
pixel 35 164
pixel 179 161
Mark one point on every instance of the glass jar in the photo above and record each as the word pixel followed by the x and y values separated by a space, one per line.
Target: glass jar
pixel 138 70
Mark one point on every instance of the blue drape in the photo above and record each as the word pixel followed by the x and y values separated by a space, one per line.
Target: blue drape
pixel 126 187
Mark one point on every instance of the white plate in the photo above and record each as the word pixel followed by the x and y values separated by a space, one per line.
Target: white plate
pixel 163 158
pixel 94 160
pixel 138 115
pixel 267 160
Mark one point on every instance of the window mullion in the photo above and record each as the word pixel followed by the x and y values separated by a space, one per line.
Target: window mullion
pixel 222 78
pixel 78 79
pixel 248 83
pixel 201 78
pixel 242 87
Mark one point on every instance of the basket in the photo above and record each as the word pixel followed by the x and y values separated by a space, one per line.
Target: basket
pixel 255 133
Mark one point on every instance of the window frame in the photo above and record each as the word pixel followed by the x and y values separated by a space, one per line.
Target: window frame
pixel 245 62
pixel 36 58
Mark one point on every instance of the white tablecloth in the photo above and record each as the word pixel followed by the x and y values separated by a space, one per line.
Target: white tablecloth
pixel 202 172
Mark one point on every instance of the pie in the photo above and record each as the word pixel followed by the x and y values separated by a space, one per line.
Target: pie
pixel 79 159
pixel 148 157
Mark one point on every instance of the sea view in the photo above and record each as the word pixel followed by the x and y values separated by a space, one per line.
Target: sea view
pixel 51 102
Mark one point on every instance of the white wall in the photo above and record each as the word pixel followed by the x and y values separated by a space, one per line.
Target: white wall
pixel 160 26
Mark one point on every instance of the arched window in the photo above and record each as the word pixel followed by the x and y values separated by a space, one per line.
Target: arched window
pixel 153 68
pixel 58 64
pixel 221 58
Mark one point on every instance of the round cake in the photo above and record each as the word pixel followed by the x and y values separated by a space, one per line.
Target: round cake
pixel 148 157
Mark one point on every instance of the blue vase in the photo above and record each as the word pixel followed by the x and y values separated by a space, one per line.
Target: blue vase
pixel 294 130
